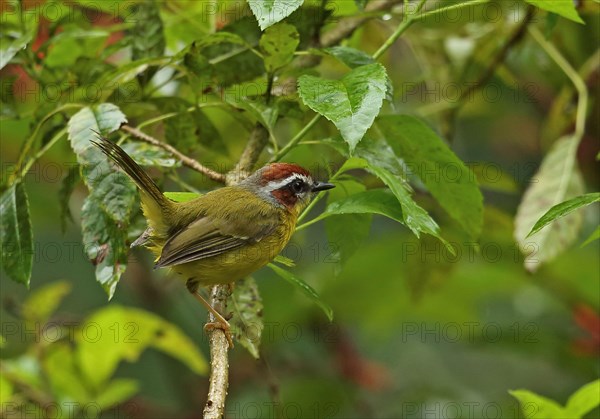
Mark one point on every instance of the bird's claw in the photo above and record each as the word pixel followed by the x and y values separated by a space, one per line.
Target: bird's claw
pixel 225 327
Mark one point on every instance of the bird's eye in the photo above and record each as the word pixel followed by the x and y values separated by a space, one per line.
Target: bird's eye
pixel 297 186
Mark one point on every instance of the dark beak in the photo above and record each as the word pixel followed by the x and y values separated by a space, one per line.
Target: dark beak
pixel 322 186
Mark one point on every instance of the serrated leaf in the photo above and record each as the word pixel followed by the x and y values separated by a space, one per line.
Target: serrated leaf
pixel 373 201
pixel 562 209
pixel 536 406
pixel 103 118
pixel 352 57
pixel 16 236
pixel 269 12
pixel 584 400
pixel 564 8
pixel 146 36
pixel 306 289
pixel 412 215
pixel 115 333
pixel 278 44
pixel 246 323
pixel 181 196
pixel 150 155
pixel 445 175
pixel 558 179
pixel 225 58
pixel 109 187
pixel 351 103
pixel 346 241
pixel 104 244
pixel 43 302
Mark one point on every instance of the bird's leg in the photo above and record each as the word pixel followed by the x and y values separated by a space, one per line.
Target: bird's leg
pixel 220 322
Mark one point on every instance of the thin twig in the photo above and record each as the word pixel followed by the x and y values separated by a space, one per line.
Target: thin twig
pixel 186 160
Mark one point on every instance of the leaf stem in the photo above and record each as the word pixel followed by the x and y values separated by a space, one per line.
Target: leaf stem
pixel 292 143
pixel 572 74
pixel 42 151
pixel 410 19
pixel 448 8
pixel 29 143
pixel 186 160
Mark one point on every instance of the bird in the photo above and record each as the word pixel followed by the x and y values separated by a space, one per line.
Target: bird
pixel 226 234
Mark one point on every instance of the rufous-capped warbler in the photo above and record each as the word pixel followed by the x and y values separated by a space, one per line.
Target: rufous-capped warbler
pixel 226 234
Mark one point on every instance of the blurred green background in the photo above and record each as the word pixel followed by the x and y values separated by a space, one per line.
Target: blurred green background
pixel 417 332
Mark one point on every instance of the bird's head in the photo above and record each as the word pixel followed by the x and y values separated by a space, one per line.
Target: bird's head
pixel 285 185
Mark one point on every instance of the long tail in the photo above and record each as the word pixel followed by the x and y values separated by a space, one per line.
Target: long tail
pixel 154 203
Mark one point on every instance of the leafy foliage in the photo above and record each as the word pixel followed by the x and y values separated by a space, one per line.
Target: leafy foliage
pixel 212 90
pixel 579 404
pixel 446 177
pixel 246 323
pixel 558 179
pixel 16 234
pixel 563 209
pixel 351 103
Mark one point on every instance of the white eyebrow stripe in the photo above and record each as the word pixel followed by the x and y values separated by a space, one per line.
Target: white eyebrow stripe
pixel 273 185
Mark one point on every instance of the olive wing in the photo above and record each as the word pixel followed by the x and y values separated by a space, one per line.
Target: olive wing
pixel 206 237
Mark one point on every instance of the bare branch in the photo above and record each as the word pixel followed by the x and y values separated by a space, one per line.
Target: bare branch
pixel 186 160
pixel 219 361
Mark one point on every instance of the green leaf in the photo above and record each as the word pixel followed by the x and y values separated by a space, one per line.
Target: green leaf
pixel 305 288
pixel 115 333
pixel 150 155
pixel 62 373
pixel 278 44
pixel 584 400
pixel 351 103
pixel 558 179
pixel 104 244
pixel 116 392
pixel 110 188
pixel 69 45
pixel 413 215
pixel 346 241
pixel 564 8
pixel 373 201
pixel 16 236
pixel 536 406
pixel 269 12
pixel 146 35
pixel 594 236
pixel 43 302
pixel 103 118
pixel 352 57
pixel 225 58
pixel 246 323
pixel 562 209
pixel 445 175
pixel 9 46
pixel 180 130
pixel 181 196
